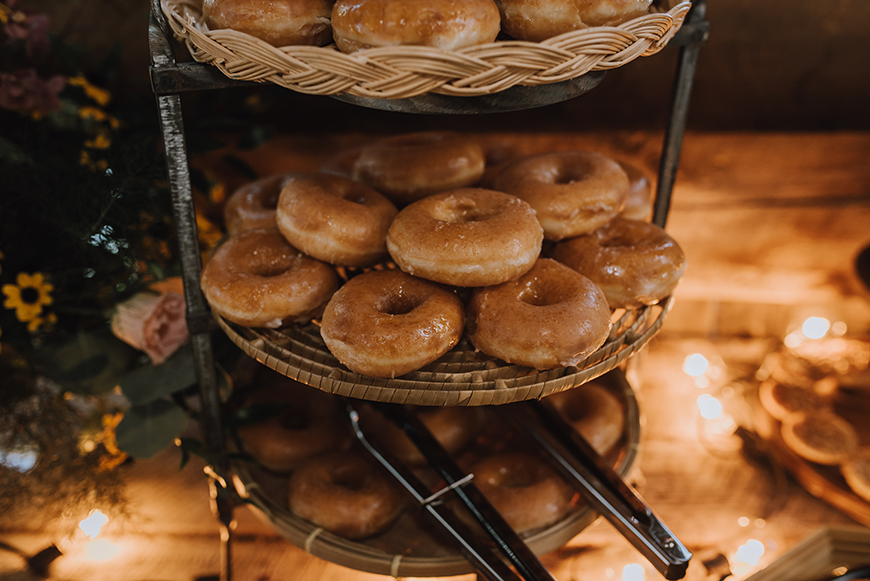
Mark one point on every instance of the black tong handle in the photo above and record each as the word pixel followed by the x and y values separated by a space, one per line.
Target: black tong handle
pixel 476 552
pixel 506 539
pixel 601 486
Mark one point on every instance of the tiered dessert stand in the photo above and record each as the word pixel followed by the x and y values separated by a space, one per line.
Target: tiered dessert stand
pixel 475 81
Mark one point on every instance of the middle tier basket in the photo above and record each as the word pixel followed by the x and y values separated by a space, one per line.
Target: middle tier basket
pixel 462 377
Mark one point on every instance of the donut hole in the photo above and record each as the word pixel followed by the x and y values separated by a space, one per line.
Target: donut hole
pixel 398 304
pixel 268 269
pixel 538 294
pixel 294 419
pixel 460 211
pixel 518 479
pixel 352 480
pixel 618 242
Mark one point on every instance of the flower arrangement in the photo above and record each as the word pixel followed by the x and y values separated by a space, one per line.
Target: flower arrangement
pixel 94 357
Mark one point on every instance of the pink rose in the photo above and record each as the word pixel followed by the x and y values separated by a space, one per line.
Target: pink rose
pixel 154 323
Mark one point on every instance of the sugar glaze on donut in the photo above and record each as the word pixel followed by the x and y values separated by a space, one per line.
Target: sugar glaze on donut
pixel 468 237
pixel 444 24
pixel 335 219
pixel 549 317
pixel 386 323
pixel 257 279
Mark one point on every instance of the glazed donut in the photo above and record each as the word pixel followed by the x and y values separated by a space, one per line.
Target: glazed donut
pixel 573 192
pixel 302 422
pixel 856 472
pixel 543 19
pixel 635 263
pixel 638 203
pixel 467 237
pixel 406 168
pixel 253 205
pixel 277 22
pixel 781 400
pixel 257 279
pixel 549 317
pixel 335 219
pixel 386 323
pixel 594 412
pixel 453 427
pixel 444 24
pixel 345 494
pixel 523 488
pixel 820 436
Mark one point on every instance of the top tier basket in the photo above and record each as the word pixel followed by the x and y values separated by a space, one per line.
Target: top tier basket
pixel 410 71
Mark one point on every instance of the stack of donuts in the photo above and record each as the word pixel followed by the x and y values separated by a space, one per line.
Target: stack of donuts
pixel 296 434
pixel 355 25
pixel 398 251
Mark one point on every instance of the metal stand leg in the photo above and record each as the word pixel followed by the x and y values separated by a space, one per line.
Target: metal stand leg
pixel 695 30
pixel 199 320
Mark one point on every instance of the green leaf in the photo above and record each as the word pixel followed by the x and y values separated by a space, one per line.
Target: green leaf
pixel 152 382
pixel 148 429
pixel 88 363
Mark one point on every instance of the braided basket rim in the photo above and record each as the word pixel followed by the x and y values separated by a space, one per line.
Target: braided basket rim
pixel 410 71
pixel 481 380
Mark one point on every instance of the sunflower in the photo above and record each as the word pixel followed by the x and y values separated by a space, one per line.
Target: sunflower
pixel 28 296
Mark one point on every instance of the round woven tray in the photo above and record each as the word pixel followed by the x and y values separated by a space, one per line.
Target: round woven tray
pixel 409 548
pixel 408 71
pixel 462 377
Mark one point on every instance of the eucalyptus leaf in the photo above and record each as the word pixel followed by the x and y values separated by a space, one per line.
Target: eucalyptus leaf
pixel 152 382
pixel 150 428
pixel 88 363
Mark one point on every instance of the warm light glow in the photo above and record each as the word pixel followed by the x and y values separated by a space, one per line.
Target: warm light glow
pixel 632 572
pixel 101 550
pixel 816 327
pixel 839 329
pixel 709 406
pixel 743 521
pixel 93 523
pixel 793 340
pixel 751 552
pixel 695 365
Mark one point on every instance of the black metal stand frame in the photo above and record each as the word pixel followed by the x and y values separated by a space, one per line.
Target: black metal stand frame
pixel 169 79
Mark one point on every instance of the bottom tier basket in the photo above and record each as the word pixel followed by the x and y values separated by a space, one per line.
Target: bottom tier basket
pixel 410 548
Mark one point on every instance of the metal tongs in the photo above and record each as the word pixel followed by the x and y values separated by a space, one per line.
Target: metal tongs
pixel 490 560
pixel 600 486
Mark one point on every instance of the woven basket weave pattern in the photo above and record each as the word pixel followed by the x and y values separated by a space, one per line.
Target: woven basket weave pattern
pixel 463 377
pixel 409 71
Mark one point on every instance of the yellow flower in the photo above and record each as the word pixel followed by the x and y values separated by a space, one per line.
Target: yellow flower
pixel 100 96
pixel 101 141
pixel 93 113
pixel 34 324
pixel 109 440
pixel 28 296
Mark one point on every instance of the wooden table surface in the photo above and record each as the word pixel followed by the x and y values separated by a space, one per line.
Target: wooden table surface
pixel 770 224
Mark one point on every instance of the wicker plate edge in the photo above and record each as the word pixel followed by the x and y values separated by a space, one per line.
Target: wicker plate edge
pixel 409 71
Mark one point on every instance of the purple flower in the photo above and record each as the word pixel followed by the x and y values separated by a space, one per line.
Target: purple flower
pixel 25 92
pixel 31 27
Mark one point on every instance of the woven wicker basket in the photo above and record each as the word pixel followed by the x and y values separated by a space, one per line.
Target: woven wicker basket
pixel 462 377
pixel 409 548
pixel 408 71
